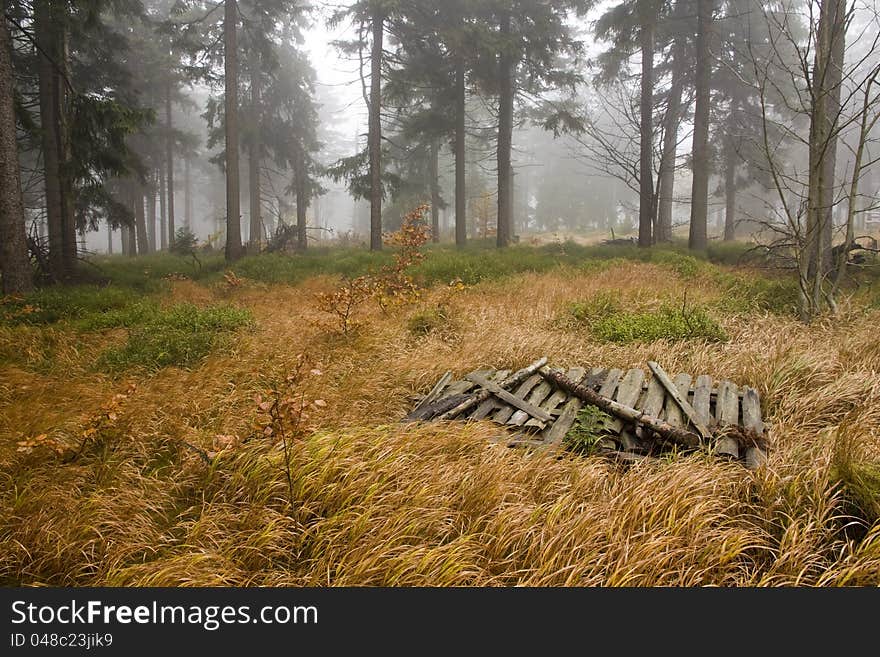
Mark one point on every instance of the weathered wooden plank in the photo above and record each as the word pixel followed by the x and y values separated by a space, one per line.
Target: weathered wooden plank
pixel 627 393
pixel 751 419
pixel 727 413
pixel 434 393
pixel 503 414
pixel 460 387
pixel 751 411
pixel 686 408
pixel 682 383
pixel 610 384
pixel 475 398
pixel 651 404
pixel 702 391
pixel 537 396
pixel 491 404
pixel 556 433
pixel 512 399
pixel 558 396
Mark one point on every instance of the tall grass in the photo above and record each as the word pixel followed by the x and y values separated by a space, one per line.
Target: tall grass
pixel 159 501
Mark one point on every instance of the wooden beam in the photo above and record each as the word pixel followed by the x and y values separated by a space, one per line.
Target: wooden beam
pixel 509 398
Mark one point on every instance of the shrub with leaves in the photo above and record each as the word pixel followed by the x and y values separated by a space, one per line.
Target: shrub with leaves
pixel 284 410
pixel 392 286
pixel 587 430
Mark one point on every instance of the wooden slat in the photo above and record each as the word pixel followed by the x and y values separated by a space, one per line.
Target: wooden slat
pixel 653 403
pixel 673 410
pixel 555 434
pixel 434 393
pixel 650 404
pixel 459 387
pixel 702 392
pixel 492 403
pixel 512 399
pixel 751 419
pixel 559 396
pixel 536 397
pixel 610 384
pixel 627 393
pixel 751 411
pixel 683 404
pixel 727 413
pixel 503 414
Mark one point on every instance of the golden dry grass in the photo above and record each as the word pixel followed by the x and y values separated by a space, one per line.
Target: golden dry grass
pixel 378 503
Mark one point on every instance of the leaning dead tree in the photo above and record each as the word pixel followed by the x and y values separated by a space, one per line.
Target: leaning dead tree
pixel 816 74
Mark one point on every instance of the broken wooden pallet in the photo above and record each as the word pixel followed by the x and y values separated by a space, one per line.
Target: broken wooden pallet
pixel 540 414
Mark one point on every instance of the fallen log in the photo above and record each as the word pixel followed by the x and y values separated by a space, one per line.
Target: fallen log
pixel 627 413
pixel 484 394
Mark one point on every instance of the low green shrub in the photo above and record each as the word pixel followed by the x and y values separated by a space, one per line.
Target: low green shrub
pixel 181 335
pixel 587 430
pixel 667 323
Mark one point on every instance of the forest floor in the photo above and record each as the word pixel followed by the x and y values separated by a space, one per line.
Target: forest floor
pixel 135 417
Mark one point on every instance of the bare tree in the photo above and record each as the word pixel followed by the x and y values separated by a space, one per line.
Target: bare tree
pixel 818 89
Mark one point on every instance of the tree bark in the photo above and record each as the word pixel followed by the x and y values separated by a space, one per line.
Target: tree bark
pixel 302 204
pixel 375 131
pixel 163 215
pixel 15 264
pixel 109 239
pixel 434 173
pixel 233 198
pixel 505 133
pixel 698 236
pixel 731 160
pixel 671 123
pixel 151 215
pixel 460 155
pixel 255 241
pixel 44 28
pixel 169 163
pixel 834 77
pixel 187 194
pixel 140 221
pixel 647 13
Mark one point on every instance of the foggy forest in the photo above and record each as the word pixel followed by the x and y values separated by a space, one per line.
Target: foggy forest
pixel 439 293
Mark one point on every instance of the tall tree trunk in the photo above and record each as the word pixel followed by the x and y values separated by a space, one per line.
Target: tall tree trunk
pixel 233 197
pixel 647 17
pixel 833 79
pixel 151 215
pixel 14 262
pixel 434 174
pixel 302 204
pixel 671 123
pixel 109 239
pixel 163 215
pixel 187 194
pixel 140 220
pixel 375 131
pixel 65 147
pixel 256 220
pixel 44 27
pixel 731 161
pixel 123 233
pixel 460 154
pixel 169 163
pixel 698 237
pixel 505 132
